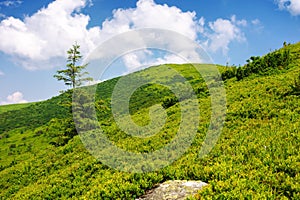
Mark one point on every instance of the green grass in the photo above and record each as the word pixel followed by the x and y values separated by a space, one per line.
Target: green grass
pixel 256 157
pixel 6 108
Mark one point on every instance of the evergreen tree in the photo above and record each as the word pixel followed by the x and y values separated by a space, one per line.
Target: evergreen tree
pixel 73 75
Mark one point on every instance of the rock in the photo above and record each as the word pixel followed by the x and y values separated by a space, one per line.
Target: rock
pixel 178 189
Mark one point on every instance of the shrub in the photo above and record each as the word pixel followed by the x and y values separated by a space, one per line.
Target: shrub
pixel 61 131
pixel 296 86
pixel 169 101
pixel 38 131
pixel 261 65
pixel 229 73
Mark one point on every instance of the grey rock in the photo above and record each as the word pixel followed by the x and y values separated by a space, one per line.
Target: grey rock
pixel 170 190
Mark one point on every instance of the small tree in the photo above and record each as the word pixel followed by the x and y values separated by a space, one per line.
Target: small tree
pixel 73 75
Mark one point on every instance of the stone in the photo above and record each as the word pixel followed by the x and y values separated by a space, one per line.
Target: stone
pixel 177 189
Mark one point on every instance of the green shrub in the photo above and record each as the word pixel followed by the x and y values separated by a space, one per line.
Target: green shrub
pixel 265 65
pixel 296 86
pixel 229 73
pixel 38 131
pixel 169 101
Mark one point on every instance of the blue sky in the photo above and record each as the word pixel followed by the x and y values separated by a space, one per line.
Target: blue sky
pixel 34 37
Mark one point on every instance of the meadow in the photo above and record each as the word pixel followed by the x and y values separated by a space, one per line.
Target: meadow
pixel 255 157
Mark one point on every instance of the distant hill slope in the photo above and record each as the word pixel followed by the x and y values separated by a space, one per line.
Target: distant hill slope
pixel 10 107
pixel 256 157
pixel 30 115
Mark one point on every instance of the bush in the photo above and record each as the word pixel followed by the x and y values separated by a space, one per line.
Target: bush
pixel 61 131
pixel 296 86
pixel 229 73
pixel 261 65
pixel 38 131
pixel 169 101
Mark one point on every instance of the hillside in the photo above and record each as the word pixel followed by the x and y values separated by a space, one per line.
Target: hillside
pixel 256 156
pixel 6 108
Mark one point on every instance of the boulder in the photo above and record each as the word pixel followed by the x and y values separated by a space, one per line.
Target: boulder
pixel 177 189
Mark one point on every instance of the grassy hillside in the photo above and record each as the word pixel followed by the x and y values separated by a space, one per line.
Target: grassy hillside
pixel 256 157
pixel 6 108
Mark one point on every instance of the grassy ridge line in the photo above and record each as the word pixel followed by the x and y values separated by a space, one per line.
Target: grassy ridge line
pixel 37 114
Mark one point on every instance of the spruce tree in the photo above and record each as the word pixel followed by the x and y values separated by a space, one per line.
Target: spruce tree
pixel 73 75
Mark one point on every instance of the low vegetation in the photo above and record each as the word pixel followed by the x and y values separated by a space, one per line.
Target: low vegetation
pixel 256 157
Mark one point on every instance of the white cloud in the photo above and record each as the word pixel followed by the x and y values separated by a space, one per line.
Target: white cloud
pixel 40 41
pixel 16 97
pixel 201 24
pixel 93 82
pixel 171 58
pixel 224 32
pixel 257 25
pixel 238 22
pixel 1 73
pixel 132 61
pixel 255 22
pixel 46 35
pixel 292 6
pixel 137 60
pixel 148 14
pixel 9 3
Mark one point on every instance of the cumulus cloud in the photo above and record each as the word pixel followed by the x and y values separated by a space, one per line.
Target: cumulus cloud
pixel 16 97
pixel 137 60
pixel 225 31
pixel 132 61
pixel 46 35
pixel 292 6
pixel 218 34
pixel 148 14
pixel 40 41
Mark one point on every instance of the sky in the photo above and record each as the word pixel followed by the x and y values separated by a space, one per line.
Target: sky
pixel 36 34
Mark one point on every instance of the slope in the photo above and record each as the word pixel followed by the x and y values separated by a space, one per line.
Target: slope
pixel 256 156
